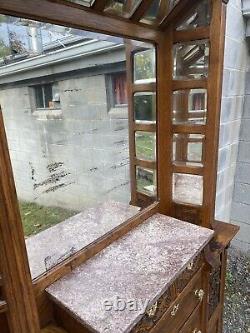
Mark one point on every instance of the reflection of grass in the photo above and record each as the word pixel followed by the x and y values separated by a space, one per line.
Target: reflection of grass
pixel 36 218
pixel 145 146
pixel 142 183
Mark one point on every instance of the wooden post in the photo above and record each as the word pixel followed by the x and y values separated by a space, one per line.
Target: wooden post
pixel 17 284
pixel 164 106
pixel 215 77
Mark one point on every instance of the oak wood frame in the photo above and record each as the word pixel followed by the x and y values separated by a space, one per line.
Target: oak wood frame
pixel 22 314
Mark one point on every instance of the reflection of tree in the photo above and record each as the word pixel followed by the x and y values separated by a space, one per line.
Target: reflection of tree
pixel 144 65
pixel 16 45
pixel 4 49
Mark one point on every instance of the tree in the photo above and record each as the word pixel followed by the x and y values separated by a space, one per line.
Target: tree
pixel 4 49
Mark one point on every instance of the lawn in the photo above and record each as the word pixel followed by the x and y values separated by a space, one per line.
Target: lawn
pixel 36 218
pixel 145 146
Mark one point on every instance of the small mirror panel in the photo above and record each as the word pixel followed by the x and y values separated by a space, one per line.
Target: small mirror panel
pixel 145 143
pixel 190 107
pixel 187 189
pixel 191 60
pixel 146 181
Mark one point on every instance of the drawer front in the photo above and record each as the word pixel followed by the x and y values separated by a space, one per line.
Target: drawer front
pixel 188 273
pixel 194 323
pixel 179 312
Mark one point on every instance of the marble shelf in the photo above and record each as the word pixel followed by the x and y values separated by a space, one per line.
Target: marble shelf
pixel 137 268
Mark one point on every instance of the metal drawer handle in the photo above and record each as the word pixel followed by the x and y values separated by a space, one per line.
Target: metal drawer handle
pixel 200 294
pixel 196 331
pixel 152 311
pixel 190 266
pixel 175 309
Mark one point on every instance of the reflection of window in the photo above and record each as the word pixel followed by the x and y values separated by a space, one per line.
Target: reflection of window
pixel 47 96
pixel 198 101
pixel 119 89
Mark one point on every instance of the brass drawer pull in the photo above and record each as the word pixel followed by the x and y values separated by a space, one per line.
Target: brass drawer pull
pixel 152 311
pixel 196 331
pixel 200 294
pixel 175 309
pixel 190 266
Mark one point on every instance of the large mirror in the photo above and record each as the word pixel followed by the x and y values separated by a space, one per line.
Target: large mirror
pixel 64 98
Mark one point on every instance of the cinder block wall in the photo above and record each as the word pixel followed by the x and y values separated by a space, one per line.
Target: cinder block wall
pixel 231 187
pixel 74 161
pixel 241 199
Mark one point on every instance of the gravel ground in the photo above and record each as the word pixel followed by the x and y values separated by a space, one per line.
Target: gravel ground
pixel 237 304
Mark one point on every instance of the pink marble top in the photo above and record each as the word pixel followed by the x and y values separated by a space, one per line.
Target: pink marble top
pixel 110 292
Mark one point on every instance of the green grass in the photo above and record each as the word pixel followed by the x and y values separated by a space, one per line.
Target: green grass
pixel 145 147
pixel 36 218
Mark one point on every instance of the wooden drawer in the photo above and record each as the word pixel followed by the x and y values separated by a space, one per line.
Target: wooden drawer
pixel 194 323
pixel 182 308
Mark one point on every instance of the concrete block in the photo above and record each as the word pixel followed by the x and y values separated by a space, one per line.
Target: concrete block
pixel 244 151
pixel 236 55
pixel 241 193
pixel 231 108
pixel 233 83
pixel 246 111
pixel 245 133
pixel 244 232
pixel 241 212
pixel 235 3
pixel 243 172
pixel 235 25
pixel 243 246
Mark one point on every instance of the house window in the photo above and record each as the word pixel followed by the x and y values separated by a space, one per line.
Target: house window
pixel 119 89
pixel 47 96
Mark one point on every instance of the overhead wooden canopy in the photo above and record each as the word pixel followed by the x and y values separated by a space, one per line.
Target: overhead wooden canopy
pixel 139 19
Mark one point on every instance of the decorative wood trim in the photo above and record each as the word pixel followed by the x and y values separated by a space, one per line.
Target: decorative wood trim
pixel 217 40
pixel 83 18
pixel 145 127
pixel 222 288
pixel 147 87
pixel 192 170
pixel 189 129
pixel 22 315
pixel 189 84
pixel 132 150
pixel 41 283
pixel 164 106
pixel 192 35
pixel 214 318
pixel 145 164
pixel 224 233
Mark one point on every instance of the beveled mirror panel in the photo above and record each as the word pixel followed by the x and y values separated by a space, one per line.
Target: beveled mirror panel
pixel 146 181
pixel 200 16
pixel 144 66
pixel 188 149
pixel 187 189
pixel 190 107
pixel 191 60
pixel 145 107
pixel 145 143
pixel 124 8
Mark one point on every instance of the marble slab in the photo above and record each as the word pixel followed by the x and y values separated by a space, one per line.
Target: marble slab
pixel 57 243
pixel 109 292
